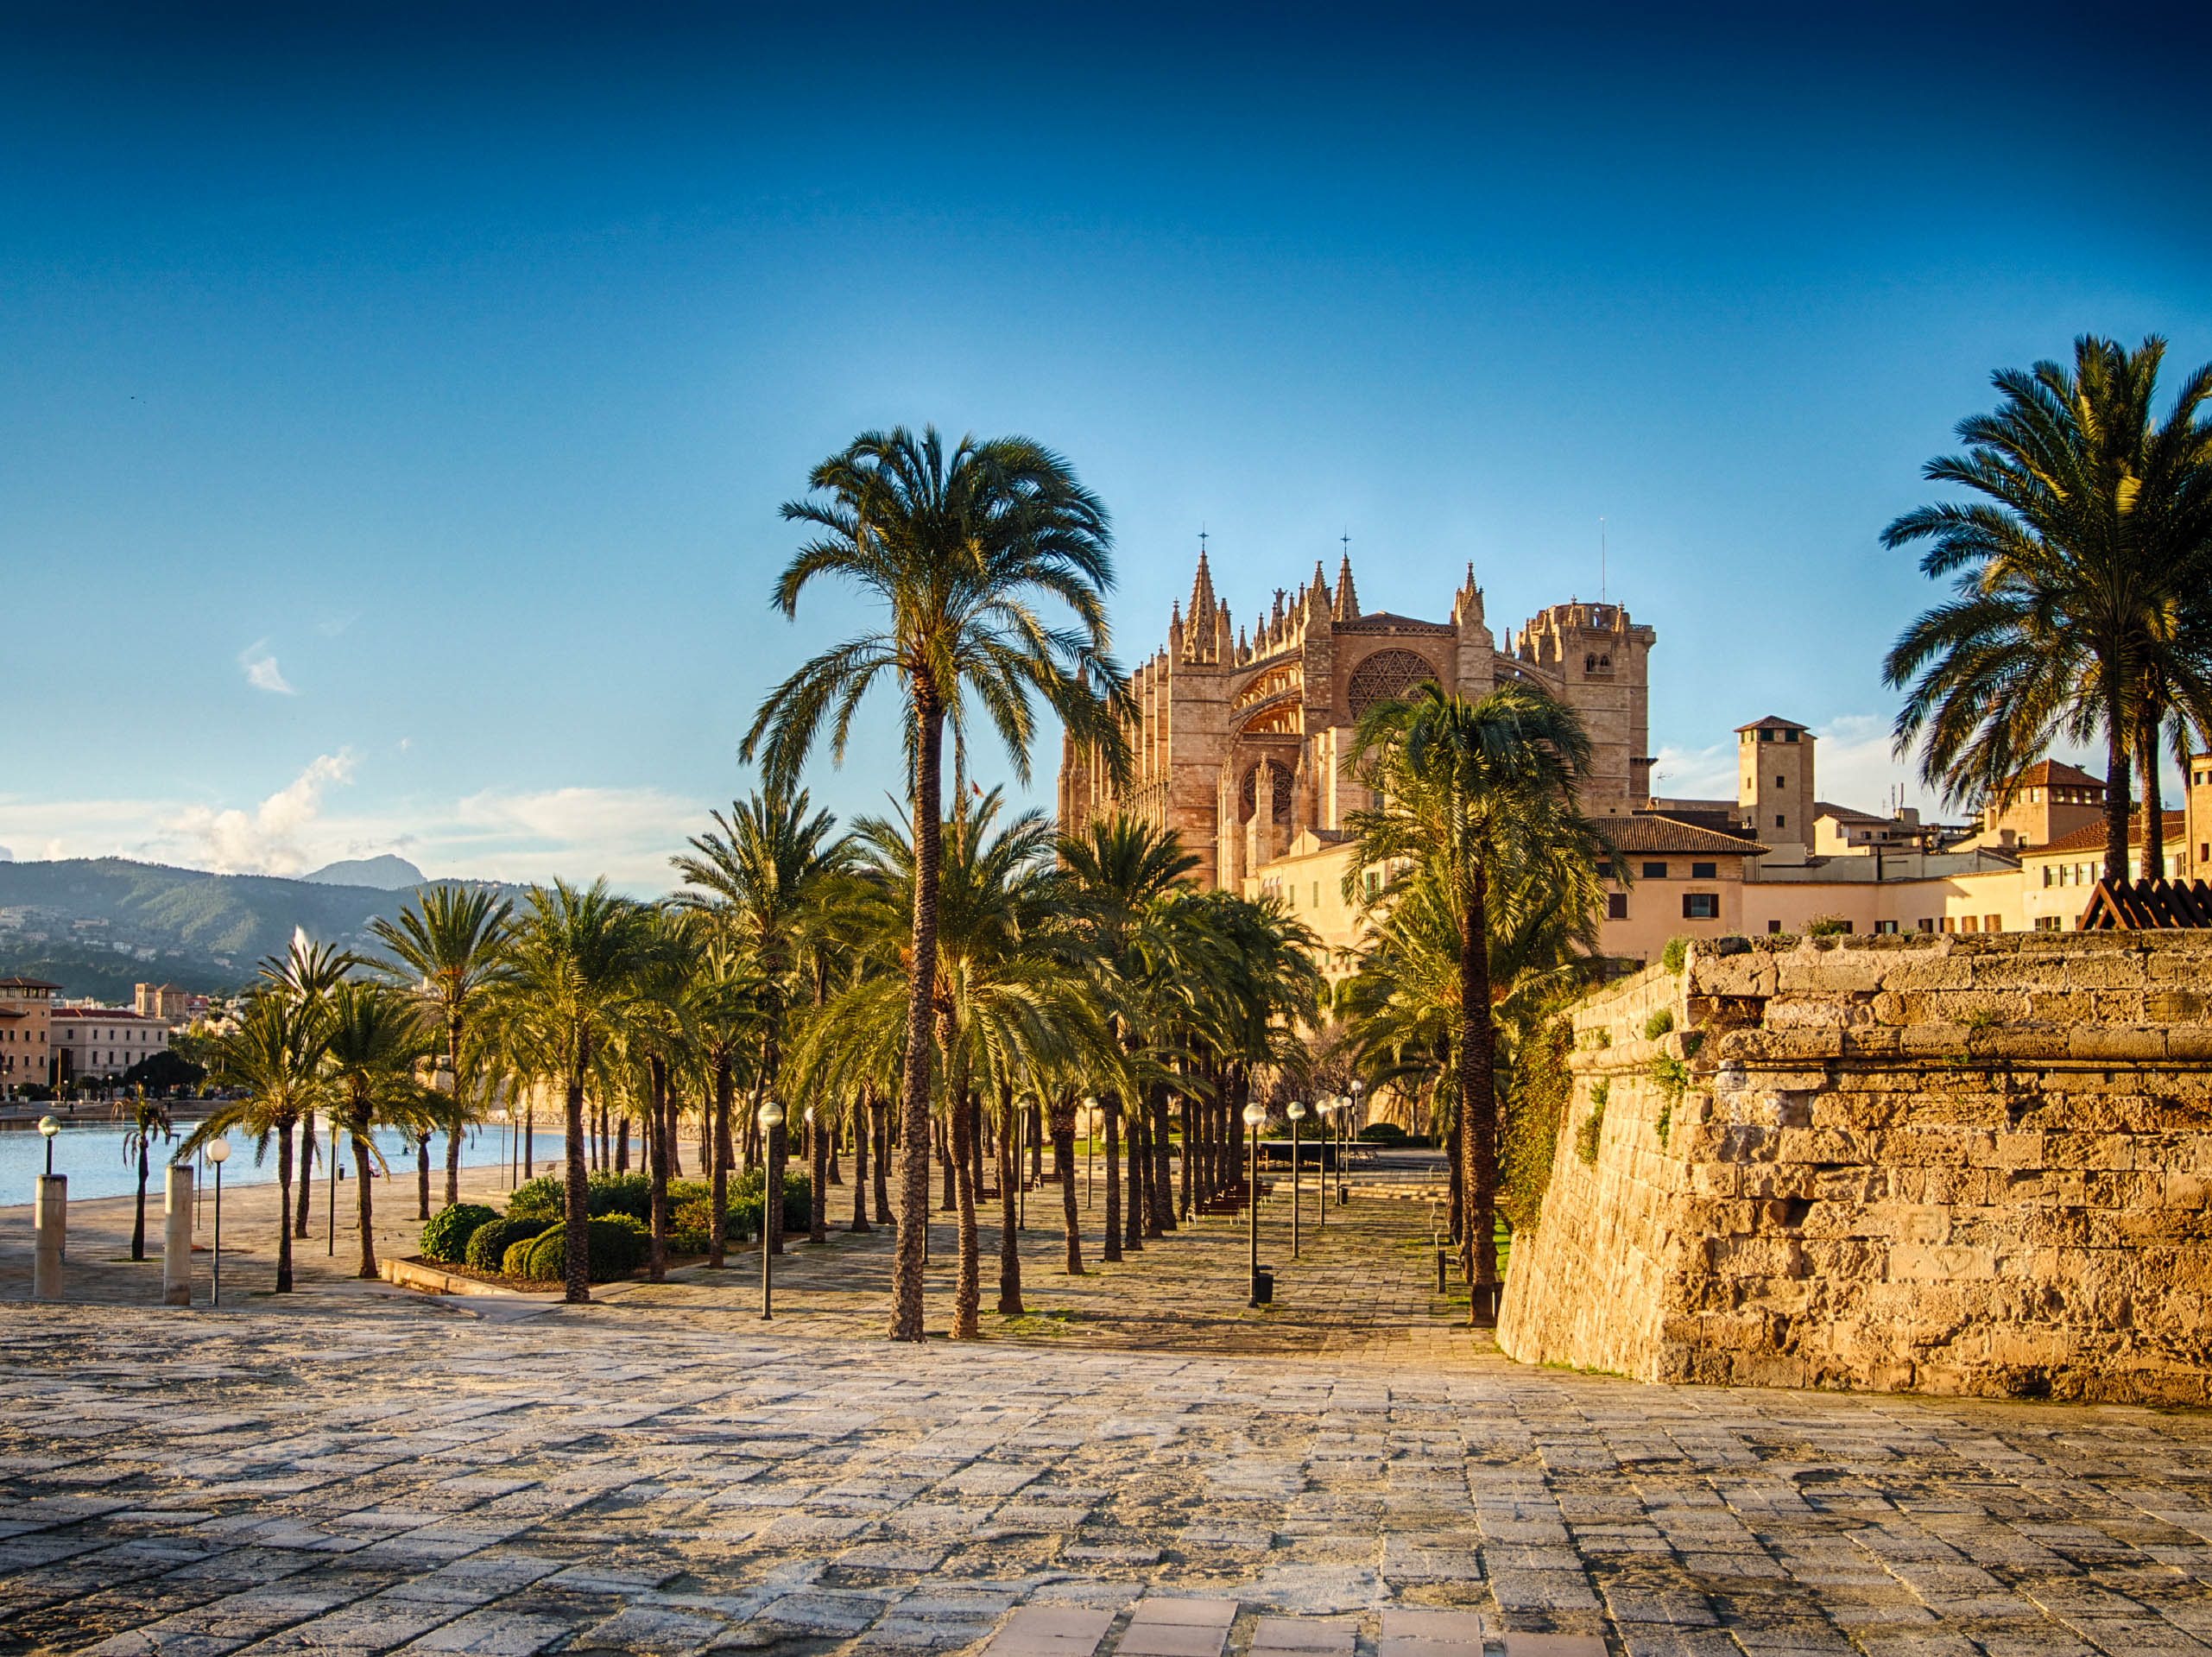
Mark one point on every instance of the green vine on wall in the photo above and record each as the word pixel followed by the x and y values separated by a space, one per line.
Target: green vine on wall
pixel 1673 1077
pixel 1593 1128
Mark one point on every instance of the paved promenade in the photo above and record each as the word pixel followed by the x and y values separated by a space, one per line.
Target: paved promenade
pixel 357 1470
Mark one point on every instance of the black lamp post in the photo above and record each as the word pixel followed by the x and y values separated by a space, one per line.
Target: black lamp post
pixel 218 1152
pixel 1254 1115
pixel 770 1118
pixel 1297 1114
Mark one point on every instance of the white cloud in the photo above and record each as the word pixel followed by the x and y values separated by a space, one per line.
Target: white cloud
pixel 266 841
pixel 261 671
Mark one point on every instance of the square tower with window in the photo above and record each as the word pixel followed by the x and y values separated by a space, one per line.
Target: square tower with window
pixel 1774 785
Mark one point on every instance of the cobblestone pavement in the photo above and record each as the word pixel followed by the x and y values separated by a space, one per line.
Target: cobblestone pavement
pixel 335 1474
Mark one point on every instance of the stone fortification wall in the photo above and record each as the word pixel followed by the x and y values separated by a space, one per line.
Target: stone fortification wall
pixel 1951 1164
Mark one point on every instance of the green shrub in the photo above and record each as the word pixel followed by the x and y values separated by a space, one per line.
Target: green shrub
pixel 1827 926
pixel 798 1198
pixel 1658 1024
pixel 605 1194
pixel 1674 1079
pixel 1382 1133
pixel 616 1249
pixel 1676 955
pixel 515 1262
pixel 1593 1128
pixel 446 1233
pixel 489 1242
pixel 1537 1094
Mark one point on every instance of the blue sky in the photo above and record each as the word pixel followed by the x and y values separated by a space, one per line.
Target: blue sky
pixel 393 414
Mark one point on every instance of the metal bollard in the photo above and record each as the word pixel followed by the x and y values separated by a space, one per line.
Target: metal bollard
pixel 52 1223
pixel 176 1237
pixel 1443 1255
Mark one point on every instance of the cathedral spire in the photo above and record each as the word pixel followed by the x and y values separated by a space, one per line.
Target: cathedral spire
pixel 1347 596
pixel 1198 643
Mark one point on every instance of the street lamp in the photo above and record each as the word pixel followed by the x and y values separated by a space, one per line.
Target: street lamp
pixel 1297 1114
pixel 770 1118
pixel 1255 1114
pixel 1345 1169
pixel 1090 1145
pixel 49 1127
pixel 218 1152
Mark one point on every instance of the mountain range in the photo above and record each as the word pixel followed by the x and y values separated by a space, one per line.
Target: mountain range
pixel 96 925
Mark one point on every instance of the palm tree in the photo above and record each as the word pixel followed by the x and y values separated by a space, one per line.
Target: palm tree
pixel 658 1035
pixel 148 1119
pixel 958 550
pixel 2081 576
pixel 276 1053
pixel 453 942
pixel 727 1000
pixel 763 872
pixel 577 954
pixel 306 974
pixel 376 1037
pixel 1467 790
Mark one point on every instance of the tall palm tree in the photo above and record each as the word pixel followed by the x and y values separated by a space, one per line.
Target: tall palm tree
pixel 577 955
pixel 957 549
pixel 2081 576
pixel 763 872
pixel 1117 867
pixel 274 1054
pixel 1467 789
pixel 728 998
pixel 149 1120
pixel 377 1036
pixel 452 941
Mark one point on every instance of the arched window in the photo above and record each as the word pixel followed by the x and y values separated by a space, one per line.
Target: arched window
pixel 1278 793
pixel 1385 674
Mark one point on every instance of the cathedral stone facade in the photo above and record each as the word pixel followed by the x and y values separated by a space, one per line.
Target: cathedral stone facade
pixel 1241 740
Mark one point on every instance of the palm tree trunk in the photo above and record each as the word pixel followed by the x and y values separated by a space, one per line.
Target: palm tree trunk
pixel 2115 795
pixel 283 1207
pixel 951 1199
pixel 663 1142
pixel 1163 1175
pixel 2154 817
pixel 1190 1149
pixel 621 1143
pixel 1064 1176
pixel 453 1130
pixel 1454 1139
pixel 138 1220
pixel 363 1203
pixel 1478 1086
pixel 1009 1172
pixel 1109 1108
pixel 1133 1217
pixel 863 1129
pixel 306 1168
pixel 576 1250
pixel 921 985
pixel 818 1195
pixel 725 1087
pixel 880 1125
pixel 967 1291
pixel 422 1176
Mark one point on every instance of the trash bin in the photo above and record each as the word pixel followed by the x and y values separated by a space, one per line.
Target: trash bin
pixel 1263 1285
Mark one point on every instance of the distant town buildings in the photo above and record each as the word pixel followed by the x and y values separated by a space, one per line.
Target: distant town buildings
pixel 100 1044
pixel 1241 738
pixel 167 1000
pixel 25 1050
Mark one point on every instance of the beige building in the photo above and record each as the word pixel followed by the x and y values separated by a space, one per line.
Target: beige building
pixel 166 1002
pixel 99 1043
pixel 1242 734
pixel 26 1044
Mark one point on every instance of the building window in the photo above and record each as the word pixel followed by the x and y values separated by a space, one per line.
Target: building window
pixel 1926 923
pixel 1774 926
pixel 1781 782
pixel 1701 906
pixel 1616 905
pixel 1766 735
pixel 1789 736
pixel 1654 871
pixel 2046 874
pixel 1317 895
pixel 1781 821
pixel 1993 923
pixel 1705 871
pixel 2046 923
pixel 1887 928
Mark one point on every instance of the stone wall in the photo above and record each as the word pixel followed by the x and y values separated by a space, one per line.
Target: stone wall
pixel 1948 1164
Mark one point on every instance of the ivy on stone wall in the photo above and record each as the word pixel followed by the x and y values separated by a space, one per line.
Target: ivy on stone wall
pixel 1536 1100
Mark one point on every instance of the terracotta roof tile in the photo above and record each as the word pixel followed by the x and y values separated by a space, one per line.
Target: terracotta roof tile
pixel 2092 838
pixel 1643 832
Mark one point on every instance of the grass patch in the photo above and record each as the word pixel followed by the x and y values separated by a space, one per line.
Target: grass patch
pixel 1039 1323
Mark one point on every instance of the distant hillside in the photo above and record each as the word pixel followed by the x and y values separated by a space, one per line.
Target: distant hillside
pixel 386 874
pixel 86 923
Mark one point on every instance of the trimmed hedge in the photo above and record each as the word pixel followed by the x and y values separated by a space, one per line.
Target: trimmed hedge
pixel 446 1233
pixel 1382 1133
pixel 489 1242
pixel 615 1249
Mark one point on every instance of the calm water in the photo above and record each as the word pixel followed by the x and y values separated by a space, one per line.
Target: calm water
pixel 92 1156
